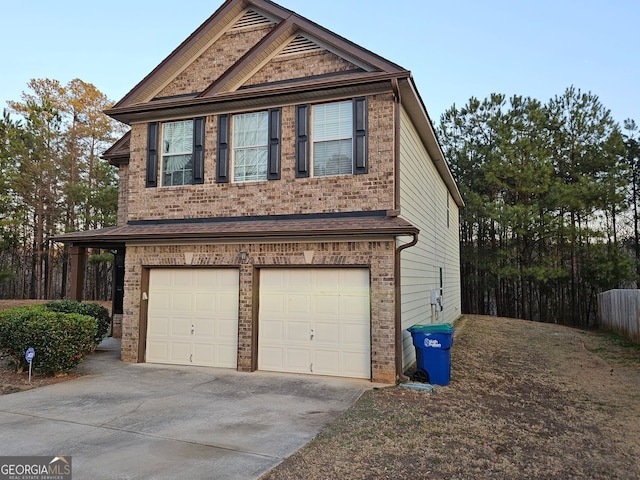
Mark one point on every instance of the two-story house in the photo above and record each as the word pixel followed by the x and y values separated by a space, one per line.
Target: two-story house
pixel 284 204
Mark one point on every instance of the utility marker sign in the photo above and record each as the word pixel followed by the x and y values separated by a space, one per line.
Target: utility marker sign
pixel 35 468
pixel 29 357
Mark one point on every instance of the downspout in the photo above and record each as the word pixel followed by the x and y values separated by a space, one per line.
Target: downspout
pixel 400 377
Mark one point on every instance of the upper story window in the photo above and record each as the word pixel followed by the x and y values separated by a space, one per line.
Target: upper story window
pixel 250 146
pixel 331 138
pixel 332 133
pixel 177 153
pixel 251 143
pixel 178 148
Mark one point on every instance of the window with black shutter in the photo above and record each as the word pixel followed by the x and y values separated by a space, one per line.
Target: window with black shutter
pixel 331 139
pixel 175 150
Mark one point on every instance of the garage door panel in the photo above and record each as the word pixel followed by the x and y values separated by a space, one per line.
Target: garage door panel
pixel 160 327
pixel 182 302
pixel 183 278
pixel 294 280
pixel 226 356
pixel 226 329
pixel 180 327
pixel 325 279
pixel 297 304
pixel 326 333
pixel 157 351
pixel 352 333
pixel 270 331
pixel 227 303
pixel 297 332
pixel 297 360
pixel 320 307
pixel 204 302
pixel 326 362
pixel 355 362
pixel 272 358
pixel 327 304
pixel 193 316
pixel 180 352
pixel 204 329
pixel 352 305
pixel 272 303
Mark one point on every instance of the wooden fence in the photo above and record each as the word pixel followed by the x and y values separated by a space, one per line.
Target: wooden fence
pixel 619 310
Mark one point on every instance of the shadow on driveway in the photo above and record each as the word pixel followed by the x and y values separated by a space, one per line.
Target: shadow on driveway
pixel 125 421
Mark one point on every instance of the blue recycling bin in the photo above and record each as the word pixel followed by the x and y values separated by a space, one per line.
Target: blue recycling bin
pixel 433 352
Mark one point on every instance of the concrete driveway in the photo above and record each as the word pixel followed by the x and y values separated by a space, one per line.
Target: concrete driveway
pixel 143 421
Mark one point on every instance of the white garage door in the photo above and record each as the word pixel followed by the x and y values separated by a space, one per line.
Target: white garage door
pixel 193 317
pixel 315 321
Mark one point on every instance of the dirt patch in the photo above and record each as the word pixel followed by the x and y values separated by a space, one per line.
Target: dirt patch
pixel 12 381
pixel 526 400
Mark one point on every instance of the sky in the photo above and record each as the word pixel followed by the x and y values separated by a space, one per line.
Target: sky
pixel 455 49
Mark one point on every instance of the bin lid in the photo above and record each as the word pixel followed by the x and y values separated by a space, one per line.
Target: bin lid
pixel 432 328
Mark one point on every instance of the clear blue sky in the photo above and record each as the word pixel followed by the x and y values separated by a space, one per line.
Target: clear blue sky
pixel 455 48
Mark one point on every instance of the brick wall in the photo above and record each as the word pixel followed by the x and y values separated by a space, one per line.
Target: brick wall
pixel 377 255
pixel 123 190
pixel 214 61
pixel 300 66
pixel 289 195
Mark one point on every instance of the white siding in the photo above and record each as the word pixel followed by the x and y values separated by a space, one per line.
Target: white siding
pixel 423 202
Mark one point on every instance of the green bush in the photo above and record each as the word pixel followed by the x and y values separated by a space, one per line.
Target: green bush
pixel 60 340
pixel 94 310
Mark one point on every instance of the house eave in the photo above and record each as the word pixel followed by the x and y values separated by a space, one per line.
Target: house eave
pixel 257 97
pixel 413 104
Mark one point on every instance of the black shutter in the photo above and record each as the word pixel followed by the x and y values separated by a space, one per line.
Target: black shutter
pixel 152 154
pixel 198 150
pixel 222 166
pixel 275 133
pixel 302 141
pixel 360 163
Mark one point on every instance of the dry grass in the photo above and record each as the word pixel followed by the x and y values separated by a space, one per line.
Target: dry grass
pixel 527 400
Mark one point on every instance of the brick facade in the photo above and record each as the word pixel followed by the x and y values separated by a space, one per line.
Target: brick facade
pixel 217 59
pixel 289 195
pixel 300 66
pixel 378 256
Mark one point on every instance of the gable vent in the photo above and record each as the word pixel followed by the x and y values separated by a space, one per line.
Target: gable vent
pixel 250 19
pixel 300 44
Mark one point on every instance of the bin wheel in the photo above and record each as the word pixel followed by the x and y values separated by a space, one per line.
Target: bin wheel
pixel 420 376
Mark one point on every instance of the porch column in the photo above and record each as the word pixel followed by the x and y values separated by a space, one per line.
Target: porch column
pixel 78 262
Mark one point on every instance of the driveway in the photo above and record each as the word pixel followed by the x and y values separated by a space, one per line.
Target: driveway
pixel 139 421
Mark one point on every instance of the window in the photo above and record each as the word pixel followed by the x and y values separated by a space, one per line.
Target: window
pixel 250 146
pixel 179 146
pixel 177 153
pixel 332 132
pixel 331 138
pixel 253 147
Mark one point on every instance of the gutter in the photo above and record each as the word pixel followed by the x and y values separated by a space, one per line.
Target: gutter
pixel 400 377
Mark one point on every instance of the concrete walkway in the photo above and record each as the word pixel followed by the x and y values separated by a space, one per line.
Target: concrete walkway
pixel 143 421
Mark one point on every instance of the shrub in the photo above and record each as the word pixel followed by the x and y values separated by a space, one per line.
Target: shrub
pixel 94 310
pixel 60 340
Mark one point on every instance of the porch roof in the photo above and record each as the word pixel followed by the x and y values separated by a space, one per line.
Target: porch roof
pixel 292 226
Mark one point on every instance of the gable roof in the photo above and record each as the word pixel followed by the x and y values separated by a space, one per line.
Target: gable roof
pixel 289 25
pixel 371 74
pixel 119 152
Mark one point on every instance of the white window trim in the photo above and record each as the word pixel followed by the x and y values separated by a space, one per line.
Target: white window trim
pixel 173 154
pixel 247 147
pixel 330 139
